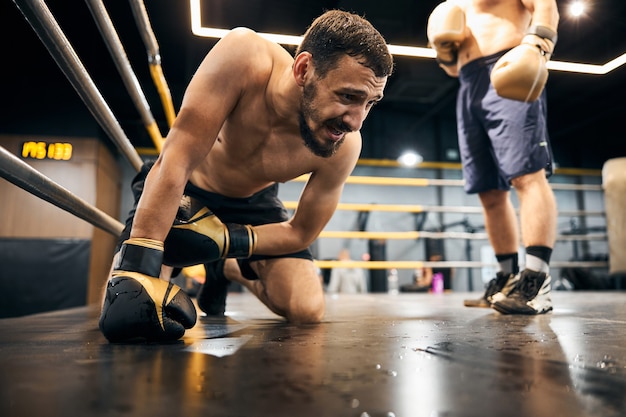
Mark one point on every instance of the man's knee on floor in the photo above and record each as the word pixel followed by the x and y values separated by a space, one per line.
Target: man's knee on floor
pixel 305 310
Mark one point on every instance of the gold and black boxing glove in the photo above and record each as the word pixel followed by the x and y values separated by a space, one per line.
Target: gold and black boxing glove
pixel 521 74
pixel 446 30
pixel 140 306
pixel 199 237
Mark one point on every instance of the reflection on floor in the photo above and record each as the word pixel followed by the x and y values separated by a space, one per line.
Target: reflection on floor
pixel 375 355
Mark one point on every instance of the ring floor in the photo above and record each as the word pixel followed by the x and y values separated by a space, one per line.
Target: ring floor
pixel 374 355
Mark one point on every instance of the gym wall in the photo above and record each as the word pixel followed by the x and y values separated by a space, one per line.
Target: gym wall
pixel 50 258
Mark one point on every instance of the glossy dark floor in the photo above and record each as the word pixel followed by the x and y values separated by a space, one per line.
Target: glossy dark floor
pixel 408 355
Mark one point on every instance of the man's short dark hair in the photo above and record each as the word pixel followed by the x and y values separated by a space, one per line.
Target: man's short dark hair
pixel 338 33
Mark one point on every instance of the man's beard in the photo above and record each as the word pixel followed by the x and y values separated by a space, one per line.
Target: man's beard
pixel 324 149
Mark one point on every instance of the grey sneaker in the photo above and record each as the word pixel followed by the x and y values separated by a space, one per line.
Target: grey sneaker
pixel 498 287
pixel 531 295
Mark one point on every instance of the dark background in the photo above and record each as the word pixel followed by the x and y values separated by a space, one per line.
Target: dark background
pixel 586 112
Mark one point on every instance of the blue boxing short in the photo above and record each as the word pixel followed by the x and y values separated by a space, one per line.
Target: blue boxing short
pixel 262 207
pixel 499 139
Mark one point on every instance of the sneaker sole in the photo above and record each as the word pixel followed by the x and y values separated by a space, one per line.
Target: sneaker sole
pixel 476 303
pixel 503 309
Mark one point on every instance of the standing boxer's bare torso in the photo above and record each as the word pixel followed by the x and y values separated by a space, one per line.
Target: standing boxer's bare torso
pixel 494 25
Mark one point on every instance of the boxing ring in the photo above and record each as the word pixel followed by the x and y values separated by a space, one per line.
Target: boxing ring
pixel 17 172
pixel 373 355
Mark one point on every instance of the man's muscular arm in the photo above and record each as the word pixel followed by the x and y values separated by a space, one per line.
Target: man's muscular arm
pixel 544 12
pixel 521 73
pixel 137 304
pixel 211 95
pixel 543 25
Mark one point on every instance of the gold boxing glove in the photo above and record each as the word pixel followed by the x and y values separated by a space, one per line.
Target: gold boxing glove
pixel 521 74
pixel 446 30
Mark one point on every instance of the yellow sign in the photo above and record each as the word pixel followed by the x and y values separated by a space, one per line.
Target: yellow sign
pixel 43 150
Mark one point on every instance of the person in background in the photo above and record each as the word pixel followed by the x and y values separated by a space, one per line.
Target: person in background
pixel 347 280
pixel 499 49
pixel 423 277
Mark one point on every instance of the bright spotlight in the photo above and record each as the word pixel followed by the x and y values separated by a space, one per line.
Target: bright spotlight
pixel 410 159
pixel 577 8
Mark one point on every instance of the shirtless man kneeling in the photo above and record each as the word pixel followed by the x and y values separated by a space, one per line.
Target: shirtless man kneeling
pixel 252 116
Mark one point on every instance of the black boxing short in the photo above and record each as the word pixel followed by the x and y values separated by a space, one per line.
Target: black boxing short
pixel 499 139
pixel 262 207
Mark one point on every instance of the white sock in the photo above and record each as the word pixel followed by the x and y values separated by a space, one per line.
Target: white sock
pixel 536 264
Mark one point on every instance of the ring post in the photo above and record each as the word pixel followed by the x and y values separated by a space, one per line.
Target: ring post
pixel 614 183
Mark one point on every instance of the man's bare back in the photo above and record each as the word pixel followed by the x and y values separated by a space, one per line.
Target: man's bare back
pixel 260 141
pixel 240 129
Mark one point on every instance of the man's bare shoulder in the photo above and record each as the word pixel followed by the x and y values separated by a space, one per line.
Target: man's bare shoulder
pixel 240 61
pixel 248 47
pixel 245 39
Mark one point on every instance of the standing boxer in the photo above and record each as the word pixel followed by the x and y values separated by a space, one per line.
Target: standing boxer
pixel 499 49
pixel 252 117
